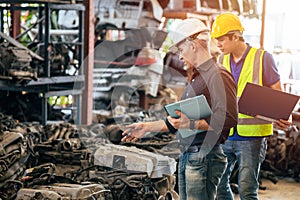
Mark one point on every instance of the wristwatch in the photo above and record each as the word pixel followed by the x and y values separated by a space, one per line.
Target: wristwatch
pixel 192 124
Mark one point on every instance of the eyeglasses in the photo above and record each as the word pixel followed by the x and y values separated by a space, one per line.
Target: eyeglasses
pixel 177 50
pixel 184 45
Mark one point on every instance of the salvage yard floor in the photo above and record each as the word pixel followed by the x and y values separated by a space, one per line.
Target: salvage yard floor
pixel 284 189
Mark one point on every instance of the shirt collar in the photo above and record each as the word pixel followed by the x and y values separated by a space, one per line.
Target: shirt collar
pixel 205 66
pixel 246 52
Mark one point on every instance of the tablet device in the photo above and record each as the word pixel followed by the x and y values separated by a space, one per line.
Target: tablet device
pixel 266 103
pixel 195 108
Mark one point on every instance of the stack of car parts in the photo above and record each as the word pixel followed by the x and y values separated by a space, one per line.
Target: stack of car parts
pixel 64 161
pixel 61 161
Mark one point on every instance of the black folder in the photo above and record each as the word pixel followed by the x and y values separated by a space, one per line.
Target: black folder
pixel 266 103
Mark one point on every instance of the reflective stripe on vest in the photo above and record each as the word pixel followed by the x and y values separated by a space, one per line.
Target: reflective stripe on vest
pixel 251 72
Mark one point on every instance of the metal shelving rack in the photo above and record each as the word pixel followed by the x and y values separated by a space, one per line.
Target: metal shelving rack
pixel 48 85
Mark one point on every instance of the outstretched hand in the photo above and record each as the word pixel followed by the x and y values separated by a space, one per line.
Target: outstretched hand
pixel 133 132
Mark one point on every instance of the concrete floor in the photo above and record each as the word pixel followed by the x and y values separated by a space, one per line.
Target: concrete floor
pixel 284 189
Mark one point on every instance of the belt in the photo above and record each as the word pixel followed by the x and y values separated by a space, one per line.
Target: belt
pixel 195 148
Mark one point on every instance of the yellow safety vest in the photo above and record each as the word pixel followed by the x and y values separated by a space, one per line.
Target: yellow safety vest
pixel 251 72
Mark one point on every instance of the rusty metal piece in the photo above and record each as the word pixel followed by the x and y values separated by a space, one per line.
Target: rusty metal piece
pixel 13 153
pixel 59 191
pixel 71 144
pixel 19 45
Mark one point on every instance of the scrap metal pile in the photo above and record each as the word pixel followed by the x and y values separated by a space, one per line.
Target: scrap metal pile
pixel 283 154
pixel 63 161
pixel 15 62
pixel 18 62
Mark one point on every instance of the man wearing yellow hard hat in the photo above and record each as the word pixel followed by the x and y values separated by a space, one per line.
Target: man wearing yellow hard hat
pixel 246 144
pixel 202 161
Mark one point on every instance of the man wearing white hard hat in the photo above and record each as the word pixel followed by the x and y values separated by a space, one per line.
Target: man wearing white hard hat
pixel 202 161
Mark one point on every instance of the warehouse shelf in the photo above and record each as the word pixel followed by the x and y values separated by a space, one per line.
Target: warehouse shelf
pixel 46 83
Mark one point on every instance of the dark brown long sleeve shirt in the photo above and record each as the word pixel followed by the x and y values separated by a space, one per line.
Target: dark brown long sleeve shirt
pixel 219 88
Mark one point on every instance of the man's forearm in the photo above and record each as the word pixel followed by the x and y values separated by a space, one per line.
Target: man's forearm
pixel 156 126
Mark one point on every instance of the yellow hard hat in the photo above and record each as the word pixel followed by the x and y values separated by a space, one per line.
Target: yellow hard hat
pixel 225 23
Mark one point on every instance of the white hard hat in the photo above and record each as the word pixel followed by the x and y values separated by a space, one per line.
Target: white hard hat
pixel 187 28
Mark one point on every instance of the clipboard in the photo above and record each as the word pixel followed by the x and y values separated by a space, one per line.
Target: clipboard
pixel 266 103
pixel 195 108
